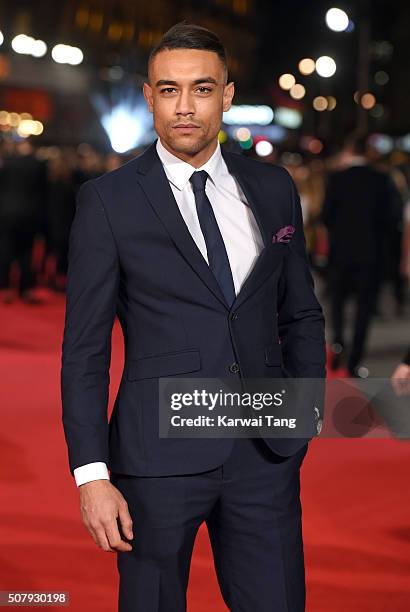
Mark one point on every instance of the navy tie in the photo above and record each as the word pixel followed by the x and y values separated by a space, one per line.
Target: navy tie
pixel 215 246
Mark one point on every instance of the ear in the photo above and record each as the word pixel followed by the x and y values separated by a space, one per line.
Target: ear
pixel 228 94
pixel 147 91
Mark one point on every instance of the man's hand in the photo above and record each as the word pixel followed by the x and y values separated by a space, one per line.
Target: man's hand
pixel 100 504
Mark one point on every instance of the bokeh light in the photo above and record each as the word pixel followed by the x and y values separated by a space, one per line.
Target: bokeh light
pixel 383 143
pixel 243 134
pixel 286 81
pixel 377 111
pixel 26 45
pixel 368 101
pixel 39 48
pixel 288 117
pixel 325 66
pixel 315 146
pixel 128 123
pixel 263 148
pixel 65 54
pixel 331 103
pixel 307 66
pixel 320 103
pixel 297 92
pixel 246 144
pixel 381 77
pixel 222 136
pixel 257 114
pixel 337 20
pixel 29 127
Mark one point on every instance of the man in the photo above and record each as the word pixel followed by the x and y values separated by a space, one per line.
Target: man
pixel 23 192
pixel 360 211
pixel 178 243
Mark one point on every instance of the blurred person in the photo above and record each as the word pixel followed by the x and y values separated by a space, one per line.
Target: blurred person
pixel 310 184
pixel 393 271
pixel 113 161
pixel 60 214
pixel 206 277
pixel 392 274
pixel 89 165
pixel 360 212
pixel 22 216
pixel 405 247
pixel 8 147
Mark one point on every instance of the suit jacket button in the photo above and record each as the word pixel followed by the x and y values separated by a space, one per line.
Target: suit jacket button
pixel 234 316
pixel 234 368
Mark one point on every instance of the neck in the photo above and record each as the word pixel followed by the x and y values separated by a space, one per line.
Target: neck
pixel 197 159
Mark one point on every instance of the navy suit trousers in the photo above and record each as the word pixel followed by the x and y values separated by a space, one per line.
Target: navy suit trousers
pixel 251 506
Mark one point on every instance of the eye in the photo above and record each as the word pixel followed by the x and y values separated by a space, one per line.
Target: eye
pixel 204 89
pixel 167 89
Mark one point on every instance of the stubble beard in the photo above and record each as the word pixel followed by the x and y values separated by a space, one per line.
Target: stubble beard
pixel 187 144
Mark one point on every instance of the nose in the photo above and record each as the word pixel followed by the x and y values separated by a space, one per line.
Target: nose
pixel 185 103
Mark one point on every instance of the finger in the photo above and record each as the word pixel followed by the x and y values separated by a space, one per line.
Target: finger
pixel 102 539
pixel 114 537
pixel 92 534
pixel 126 521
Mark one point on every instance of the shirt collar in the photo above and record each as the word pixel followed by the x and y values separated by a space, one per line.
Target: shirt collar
pixel 179 172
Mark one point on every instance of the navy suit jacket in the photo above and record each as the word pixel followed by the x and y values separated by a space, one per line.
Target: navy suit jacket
pixel 131 255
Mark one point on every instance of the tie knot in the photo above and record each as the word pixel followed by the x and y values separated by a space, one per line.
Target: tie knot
pixel 198 180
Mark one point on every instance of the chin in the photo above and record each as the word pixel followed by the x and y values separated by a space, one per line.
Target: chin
pixel 187 144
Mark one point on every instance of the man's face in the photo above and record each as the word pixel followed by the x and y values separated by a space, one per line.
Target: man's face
pixel 187 96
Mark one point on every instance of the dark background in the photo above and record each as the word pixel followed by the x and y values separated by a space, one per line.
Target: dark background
pixel 264 38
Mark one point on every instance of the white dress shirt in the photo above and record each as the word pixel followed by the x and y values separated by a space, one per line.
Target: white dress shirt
pixel 236 222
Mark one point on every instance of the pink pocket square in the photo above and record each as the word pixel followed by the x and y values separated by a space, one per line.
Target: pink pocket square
pixel 284 234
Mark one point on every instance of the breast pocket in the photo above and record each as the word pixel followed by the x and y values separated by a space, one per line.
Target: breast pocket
pixel 164 364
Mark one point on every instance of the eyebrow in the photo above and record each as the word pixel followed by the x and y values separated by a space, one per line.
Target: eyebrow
pixel 207 79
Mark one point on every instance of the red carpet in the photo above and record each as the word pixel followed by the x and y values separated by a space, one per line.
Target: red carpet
pixel 355 494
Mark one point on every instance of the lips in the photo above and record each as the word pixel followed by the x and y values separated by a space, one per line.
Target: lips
pixel 186 126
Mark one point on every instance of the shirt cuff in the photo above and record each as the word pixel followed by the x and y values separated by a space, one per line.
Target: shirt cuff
pixel 91 471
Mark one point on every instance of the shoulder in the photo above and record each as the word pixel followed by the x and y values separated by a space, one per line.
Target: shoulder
pixel 124 173
pixel 109 185
pixel 262 171
pixel 258 166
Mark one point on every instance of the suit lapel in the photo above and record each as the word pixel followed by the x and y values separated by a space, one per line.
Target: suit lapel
pixel 270 255
pixel 155 184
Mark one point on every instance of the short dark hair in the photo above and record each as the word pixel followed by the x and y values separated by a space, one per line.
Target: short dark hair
pixel 190 36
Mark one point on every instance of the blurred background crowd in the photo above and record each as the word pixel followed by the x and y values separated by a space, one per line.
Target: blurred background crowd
pixel 320 89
